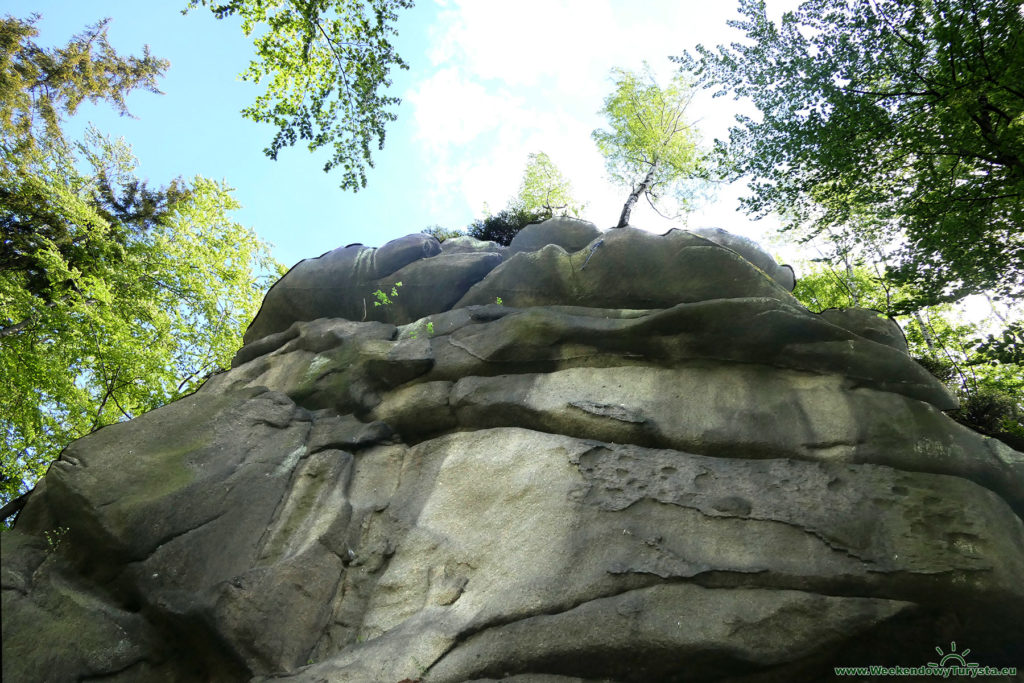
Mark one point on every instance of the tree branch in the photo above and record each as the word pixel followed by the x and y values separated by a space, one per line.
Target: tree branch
pixel 18 327
pixel 13 506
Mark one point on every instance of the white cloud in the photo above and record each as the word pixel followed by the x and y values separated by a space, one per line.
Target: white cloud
pixel 508 79
pixel 451 109
pixel 533 43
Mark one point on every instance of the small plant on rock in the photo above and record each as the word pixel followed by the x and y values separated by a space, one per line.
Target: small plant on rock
pixel 55 536
pixel 382 297
pixel 430 331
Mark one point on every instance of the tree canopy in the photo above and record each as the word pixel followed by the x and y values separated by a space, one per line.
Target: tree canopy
pixel 40 86
pixel 938 337
pixel 544 190
pixel 501 227
pixel 650 147
pixel 324 62
pixel 901 121
pixel 543 193
pixel 114 298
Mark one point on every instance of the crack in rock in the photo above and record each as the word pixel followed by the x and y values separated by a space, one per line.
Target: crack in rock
pixel 611 411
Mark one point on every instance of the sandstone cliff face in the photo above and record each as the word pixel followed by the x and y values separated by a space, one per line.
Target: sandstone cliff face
pixel 649 463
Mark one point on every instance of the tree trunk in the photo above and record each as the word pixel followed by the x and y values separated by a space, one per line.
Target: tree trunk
pixel 928 341
pixel 851 283
pixel 644 186
pixel 18 327
pixel 13 506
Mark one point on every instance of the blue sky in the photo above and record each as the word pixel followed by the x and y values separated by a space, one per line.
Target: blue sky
pixel 488 83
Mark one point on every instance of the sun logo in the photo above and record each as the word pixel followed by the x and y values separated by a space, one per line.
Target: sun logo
pixel 954 658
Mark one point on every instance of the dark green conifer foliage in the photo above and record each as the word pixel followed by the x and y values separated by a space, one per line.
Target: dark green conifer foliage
pixel 504 225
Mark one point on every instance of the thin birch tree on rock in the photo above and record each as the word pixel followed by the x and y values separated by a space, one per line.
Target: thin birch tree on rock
pixel 650 147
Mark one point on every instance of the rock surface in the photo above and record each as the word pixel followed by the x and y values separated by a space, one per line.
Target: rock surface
pixel 650 463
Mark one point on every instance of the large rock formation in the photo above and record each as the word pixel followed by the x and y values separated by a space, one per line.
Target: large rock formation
pixel 648 463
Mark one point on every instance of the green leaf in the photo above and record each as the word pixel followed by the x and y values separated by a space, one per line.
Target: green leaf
pixel 323 63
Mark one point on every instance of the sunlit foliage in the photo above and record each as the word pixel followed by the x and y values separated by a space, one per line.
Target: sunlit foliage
pixel 650 147
pixel 324 63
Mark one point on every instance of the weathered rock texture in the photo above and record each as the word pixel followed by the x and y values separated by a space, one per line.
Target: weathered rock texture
pixel 650 463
